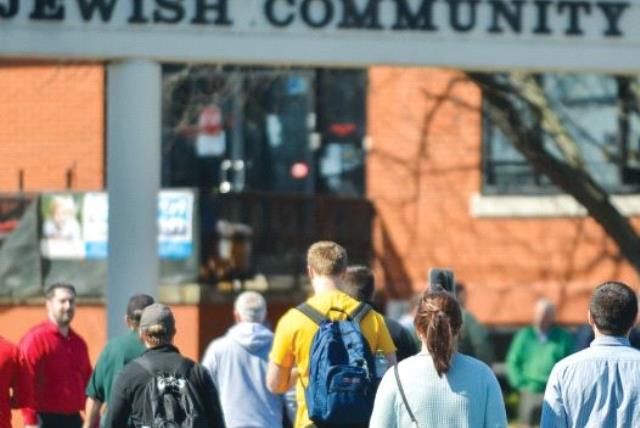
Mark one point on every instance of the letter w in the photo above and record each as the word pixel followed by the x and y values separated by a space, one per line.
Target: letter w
pixel 88 7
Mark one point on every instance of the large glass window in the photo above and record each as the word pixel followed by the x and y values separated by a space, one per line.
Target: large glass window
pixel 601 115
pixel 282 130
pixel 341 122
pixel 260 144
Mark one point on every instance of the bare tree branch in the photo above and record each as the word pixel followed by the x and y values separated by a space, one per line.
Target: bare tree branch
pixel 568 175
pixel 530 89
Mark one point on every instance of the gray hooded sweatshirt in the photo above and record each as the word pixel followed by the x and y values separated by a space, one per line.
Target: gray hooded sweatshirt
pixel 238 363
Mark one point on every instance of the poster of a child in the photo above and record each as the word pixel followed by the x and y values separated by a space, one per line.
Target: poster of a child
pixel 61 231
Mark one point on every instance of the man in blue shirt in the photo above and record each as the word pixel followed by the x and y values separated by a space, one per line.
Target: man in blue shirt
pixel 598 387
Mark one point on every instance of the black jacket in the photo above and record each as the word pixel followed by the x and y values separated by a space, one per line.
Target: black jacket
pixel 128 408
pixel 406 345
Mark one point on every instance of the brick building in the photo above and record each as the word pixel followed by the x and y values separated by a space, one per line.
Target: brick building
pixel 424 166
pixel 411 143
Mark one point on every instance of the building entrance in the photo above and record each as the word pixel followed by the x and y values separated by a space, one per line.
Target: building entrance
pixel 277 156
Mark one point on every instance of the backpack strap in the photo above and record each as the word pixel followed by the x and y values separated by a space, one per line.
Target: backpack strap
pixel 184 367
pixel 146 364
pixel 360 312
pixel 315 315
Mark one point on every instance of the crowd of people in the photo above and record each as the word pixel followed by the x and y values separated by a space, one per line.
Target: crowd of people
pixel 342 361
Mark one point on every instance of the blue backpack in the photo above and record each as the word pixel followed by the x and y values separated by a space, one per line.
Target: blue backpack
pixel 342 373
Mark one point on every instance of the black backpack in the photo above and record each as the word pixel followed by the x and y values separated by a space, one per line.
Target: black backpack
pixel 172 399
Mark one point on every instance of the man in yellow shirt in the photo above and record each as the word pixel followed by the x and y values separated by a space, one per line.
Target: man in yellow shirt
pixel 289 357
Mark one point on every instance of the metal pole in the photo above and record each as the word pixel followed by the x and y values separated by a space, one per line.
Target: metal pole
pixel 133 182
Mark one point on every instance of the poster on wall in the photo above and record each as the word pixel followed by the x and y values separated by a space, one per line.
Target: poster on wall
pixel 76 225
pixel 95 224
pixel 211 139
pixel 175 224
pixel 61 231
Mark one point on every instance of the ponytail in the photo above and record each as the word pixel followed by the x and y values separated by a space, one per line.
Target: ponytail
pixel 438 320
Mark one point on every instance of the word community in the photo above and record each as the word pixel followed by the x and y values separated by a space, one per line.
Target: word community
pixel 536 17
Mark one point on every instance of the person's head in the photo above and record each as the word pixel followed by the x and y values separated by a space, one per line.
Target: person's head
pixel 414 302
pixel 61 303
pixel 62 209
pixel 250 307
pixel 544 315
pixel 326 259
pixel 157 325
pixel 438 321
pixel 136 305
pixel 613 308
pixel 461 294
pixel 359 283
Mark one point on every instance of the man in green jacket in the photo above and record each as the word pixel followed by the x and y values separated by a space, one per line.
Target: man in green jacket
pixel 474 337
pixel 115 355
pixel 532 354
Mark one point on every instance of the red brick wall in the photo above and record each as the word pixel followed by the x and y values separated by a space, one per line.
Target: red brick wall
pixel 51 120
pixel 423 167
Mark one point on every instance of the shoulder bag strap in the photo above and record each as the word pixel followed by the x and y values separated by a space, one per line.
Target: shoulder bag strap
pixel 404 397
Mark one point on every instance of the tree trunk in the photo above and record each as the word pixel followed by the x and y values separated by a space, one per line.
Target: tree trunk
pixel 572 178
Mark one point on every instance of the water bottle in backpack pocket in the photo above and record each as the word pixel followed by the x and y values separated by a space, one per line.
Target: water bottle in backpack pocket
pixel 381 364
pixel 342 373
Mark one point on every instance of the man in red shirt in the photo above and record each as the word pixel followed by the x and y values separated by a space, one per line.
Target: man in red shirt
pixel 15 390
pixel 58 364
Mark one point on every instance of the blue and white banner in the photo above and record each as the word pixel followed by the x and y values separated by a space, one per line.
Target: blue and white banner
pixel 76 225
pixel 175 224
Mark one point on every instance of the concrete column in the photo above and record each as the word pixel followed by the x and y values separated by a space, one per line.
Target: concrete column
pixel 133 182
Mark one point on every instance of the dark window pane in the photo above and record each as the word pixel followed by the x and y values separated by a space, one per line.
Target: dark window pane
pixel 588 107
pixel 341 121
pixel 242 129
pixel 276 116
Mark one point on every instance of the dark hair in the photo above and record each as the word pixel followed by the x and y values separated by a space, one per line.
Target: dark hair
pixel 158 334
pixel 359 283
pixel 51 289
pixel 460 288
pixel 613 308
pixel 438 320
pixel 136 305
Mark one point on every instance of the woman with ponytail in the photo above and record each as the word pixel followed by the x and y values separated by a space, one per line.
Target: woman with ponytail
pixel 439 387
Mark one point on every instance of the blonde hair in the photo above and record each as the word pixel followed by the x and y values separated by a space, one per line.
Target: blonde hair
pixel 327 258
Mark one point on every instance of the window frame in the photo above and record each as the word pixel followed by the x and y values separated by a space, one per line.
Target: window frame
pixel 628 176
